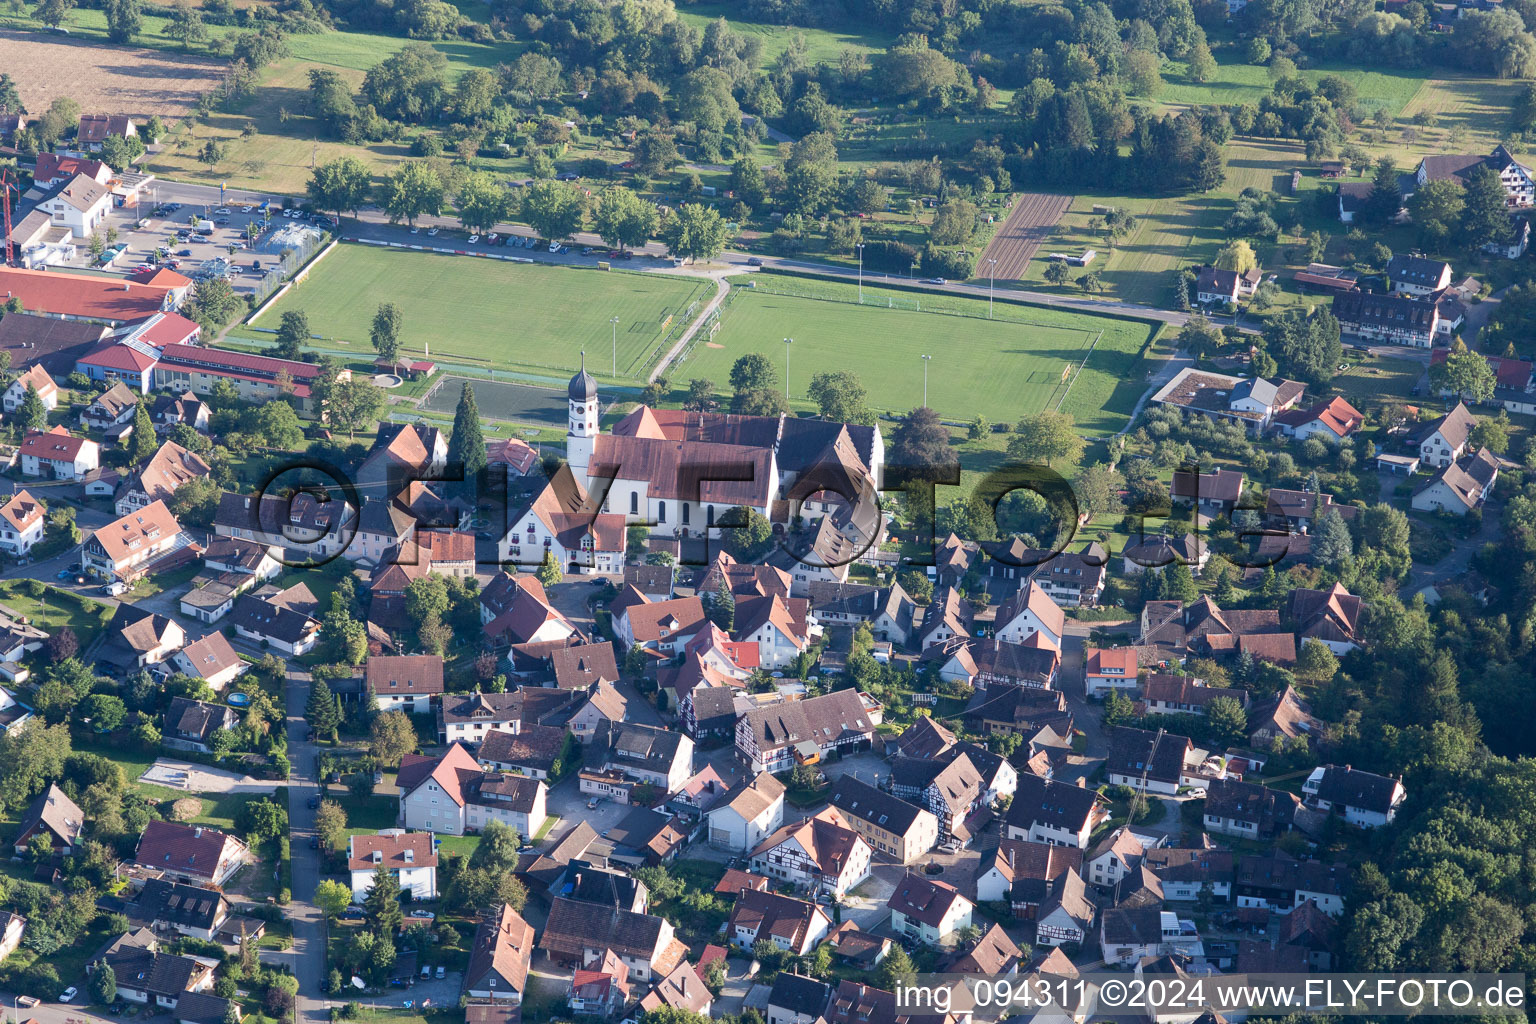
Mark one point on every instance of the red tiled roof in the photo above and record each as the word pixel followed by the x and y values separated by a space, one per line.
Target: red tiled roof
pixel 449 771
pixel 392 850
pixel 56 445
pixel 52 165
pixel 92 298
pixel 162 276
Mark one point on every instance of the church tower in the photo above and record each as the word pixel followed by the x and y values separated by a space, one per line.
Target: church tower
pixel 581 433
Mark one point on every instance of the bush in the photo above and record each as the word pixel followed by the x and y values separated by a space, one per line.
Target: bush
pixel 889 255
pixel 947 263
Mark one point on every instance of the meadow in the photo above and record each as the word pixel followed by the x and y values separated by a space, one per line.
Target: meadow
pixel 1391 90
pixel 1001 369
pixel 821 45
pixel 485 314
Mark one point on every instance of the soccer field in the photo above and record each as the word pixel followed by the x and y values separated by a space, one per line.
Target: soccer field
pixel 484 314
pixel 1001 369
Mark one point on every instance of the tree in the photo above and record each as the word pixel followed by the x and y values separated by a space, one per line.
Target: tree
pixel 211 153
pixel 954 223
pixel 33 413
pixel 1492 434
pixel 412 190
pixel 623 218
pixel 331 824
pixel 694 232
pixel 1237 256
pixel 354 404
pixel 1316 662
pixel 292 334
pixel 752 372
pixel 839 396
pixel 466 444
pixel 104 984
pixel 381 904
pixel 276 424
pixel 320 710
pixel 106 712
pixel 341 186
pixel 896 970
pixel 142 443
pixel 1047 437
pixel 1306 346
pixel 483 202
pixel 214 303
pixel 549 570
pixel 332 898
pixel 53 12
pixel 1331 543
pixel 701 394
pixel 1227 720
pixel 745 533
pixel 1056 273
pixel 1436 207
pixel 186 25
pixel 1385 199
pixel 553 209
pixel 125 20
pixel 385 334
pixel 1485 214
pixel 343 638
pixel 1468 376
pixel 391 737
pixel 722 606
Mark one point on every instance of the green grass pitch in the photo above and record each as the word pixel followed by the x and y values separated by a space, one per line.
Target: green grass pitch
pixel 486 314
pixel 1001 369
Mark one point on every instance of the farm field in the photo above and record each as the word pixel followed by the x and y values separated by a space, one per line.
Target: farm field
pixel 1000 369
pixel 486 314
pixel 131 79
pixel 1033 218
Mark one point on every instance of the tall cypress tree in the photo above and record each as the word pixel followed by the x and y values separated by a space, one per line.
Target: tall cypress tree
pixel 381 905
pixel 320 711
pixel 34 414
pixel 466 445
pixel 142 442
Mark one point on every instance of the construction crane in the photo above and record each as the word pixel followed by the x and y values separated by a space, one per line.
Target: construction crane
pixel 7 186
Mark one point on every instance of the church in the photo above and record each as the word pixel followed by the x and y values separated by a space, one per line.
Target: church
pixel 677 472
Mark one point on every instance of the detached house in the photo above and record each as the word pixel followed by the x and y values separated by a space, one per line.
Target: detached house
pixel 1054 813
pixel 1334 421
pixel 1110 669
pixel 193 853
pixel 895 828
pixel 21 524
pixel 1360 798
pixel 1030 617
pixel 819 854
pixel 192 724
pixel 499 958
pixel 133 544
pixel 185 909
pixel 36 377
pixel 747 814
pixel 928 910
pixel 1444 441
pixel 790 924
pixel 166 470
pixel 779 628
pixel 81 205
pixel 1396 319
pixel 564 521
pixel 411 857
pixel 1418 275
pixel 583 933
pixel 661 626
pixel 1214 494
pixel 1460 487
pixel 405 683
pixel 53 817
pixel 148 977
pixel 453 795
pixel 1153 762
pixel 1519 187
pixel 1248 811
pixel 57 454
pixel 1214 285
pixel 777 737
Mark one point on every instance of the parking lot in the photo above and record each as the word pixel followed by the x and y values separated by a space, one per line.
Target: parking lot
pixel 172 227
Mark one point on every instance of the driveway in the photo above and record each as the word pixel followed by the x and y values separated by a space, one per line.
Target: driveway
pixel 196 778
pixel 569 804
pixel 866 766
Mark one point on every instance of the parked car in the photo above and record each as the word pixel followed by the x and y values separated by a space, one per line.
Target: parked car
pixel 63 574
pixel 314 842
pixel 442 972
pixel 474 239
pixel 68 994
pixel 426 972
pixel 432 232
pixel 755 261
pixel 492 238
pixel 586 250
pixel 184 252
pixel 415 231
pixel 314 802
pixel 554 246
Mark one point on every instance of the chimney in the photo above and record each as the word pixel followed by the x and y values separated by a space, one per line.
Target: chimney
pixel 197 833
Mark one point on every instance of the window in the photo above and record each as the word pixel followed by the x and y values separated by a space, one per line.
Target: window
pixel 685 513
pixel 634 503
pixel 661 511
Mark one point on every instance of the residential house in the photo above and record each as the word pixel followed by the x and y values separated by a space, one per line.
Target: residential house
pixel 1253 402
pixel 634 754
pixel 1249 811
pixel 114 407
pixel 190 910
pixel 1280 883
pixel 22 524
pixel 193 853
pixel 1460 487
pixel 894 827
pixel 604 703
pixel 995 665
pixel 602 990
pixel 664 627
pixel 796 999
pixel 1109 669
pixel 1054 813
pixel 888 610
pixel 12 926
pixel 1113 858
pixel 453 795
pixel 1519 187
pixel 1444 441
pixel 1334 421
pixel 1183 695
pixel 534 750
pixel 949 615
pixel 149 977
pixel 565 521
pixel 1384 317
pixel 1215 286
pixel 94 129
pixel 264 619
pixel 1214 494
pixel 1066 914
pixel 166 470
pixel 928 910
pixel 1284 717
pixel 210 660
pixel 925 739
pixel 172 410
pixel 954 792
pixel 1130 935
pixel 404 683
pixel 777 737
pixel 469 718
pixel 1412 274
pixel 1153 762
pixel 583 933
pixel 747 814
pixel 1187 873
pixel 193 724
pixel 499 958
pixel 1073 579
pixel 81 205
pixel 1020 873
pixel 1331 617
pixel 33 377
pixel 780 628
pixel 1300 510
pixel 1153 554
pixel 410 857
pixel 820 854
pixel 682 989
pixel 136 543
pixel 53 817
pixel 797 926
pixel 1360 798
pixel 56 454
pixel 137 638
pixel 318 528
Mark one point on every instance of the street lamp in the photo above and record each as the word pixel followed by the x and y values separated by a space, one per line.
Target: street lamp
pixel 787 343
pixel 926 361
pixel 860 247
pixel 615 322
pixel 991 273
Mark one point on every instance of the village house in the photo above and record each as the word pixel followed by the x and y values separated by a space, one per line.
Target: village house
pixel 1020 873
pixel 1360 798
pixel 565 522
pixel 603 704
pixel 1187 873
pixel 1385 317
pixel 1155 762
pixel 1066 914
pixel 111 412
pixel 894 827
pixel 22 524
pixel 1182 695
pixel 56 454
pixel 1154 554
pixel 747 814
pixel 33 377
pixel 1114 857
pixel 210 660
pixel 1054 813
pixel 469 718
pixel 582 933
pixel 411 857
pixel 189 910
pixel 453 795
pixel 137 638
pixel 170 411
pixel 819 854
pixel 888 610
pixel 193 724
pixel 949 615
pixel 499 958
pixel 1246 810
pixel 404 683
pixel 1030 617
pixel 1412 274
pixel 797 926
pixel 1215 286
pixel 620 756
pixel 1519 187
pixel 1444 441
pixel 1253 402
pixel 779 628
pixel 1214 494
pixel 796 999
pixel 664 627
pixel 1334 421
pixel 1109 669
pixel 927 910
pixel 81 205
pixel 191 853
pixel 53 819
pixel 777 737
pixel 1280 883
pixel 1460 487
pixel 599 991
pixel 135 543
pixel 166 470
pixel 534 750
pixel 266 619
pixel 149 977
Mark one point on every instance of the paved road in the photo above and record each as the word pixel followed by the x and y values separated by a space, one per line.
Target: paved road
pixel 307 957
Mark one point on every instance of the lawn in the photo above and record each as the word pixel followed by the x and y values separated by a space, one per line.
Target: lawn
pixel 1248 83
pixel 822 46
pixel 483 314
pixel 56 609
pixel 1001 369
pixel 1377 378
